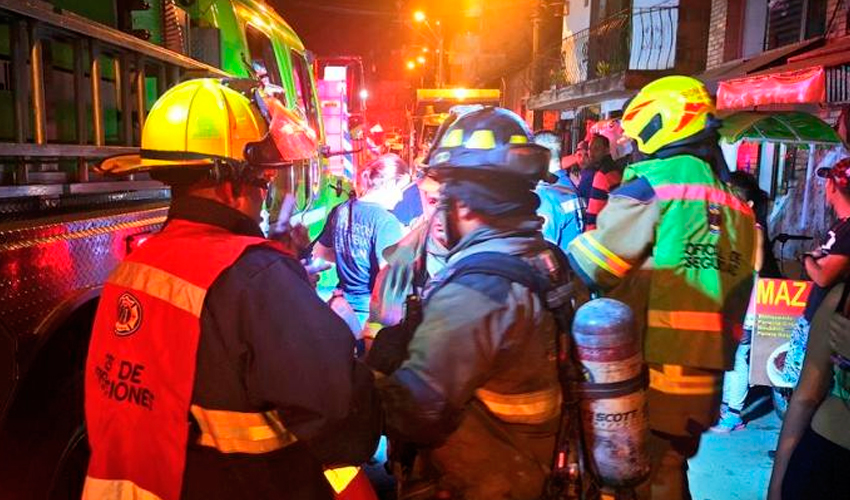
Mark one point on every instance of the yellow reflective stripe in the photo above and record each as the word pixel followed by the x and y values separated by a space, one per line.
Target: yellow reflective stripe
pixel 686 320
pixel 594 257
pixel 481 139
pixel 671 379
pixel 114 489
pixel 613 259
pixel 160 284
pixel 237 432
pixel 524 408
pixel 340 478
pixel 518 139
pixel 453 139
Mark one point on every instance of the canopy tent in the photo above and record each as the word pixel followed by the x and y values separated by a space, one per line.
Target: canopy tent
pixel 774 132
pixel 778 126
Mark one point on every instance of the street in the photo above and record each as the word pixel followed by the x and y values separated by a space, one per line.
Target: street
pixel 736 466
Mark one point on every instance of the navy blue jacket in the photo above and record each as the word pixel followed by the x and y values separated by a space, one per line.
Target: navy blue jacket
pixel 269 342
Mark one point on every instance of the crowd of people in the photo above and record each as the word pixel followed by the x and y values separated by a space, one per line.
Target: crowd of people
pixel 259 389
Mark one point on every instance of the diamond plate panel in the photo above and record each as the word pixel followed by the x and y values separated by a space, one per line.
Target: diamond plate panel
pixel 42 262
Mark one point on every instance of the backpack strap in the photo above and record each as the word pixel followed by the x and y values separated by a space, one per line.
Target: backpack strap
pixel 510 267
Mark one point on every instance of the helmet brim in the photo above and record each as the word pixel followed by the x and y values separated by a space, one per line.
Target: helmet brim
pixel 134 163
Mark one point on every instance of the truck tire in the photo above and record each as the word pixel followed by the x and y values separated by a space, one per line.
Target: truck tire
pixel 70 472
pixel 41 436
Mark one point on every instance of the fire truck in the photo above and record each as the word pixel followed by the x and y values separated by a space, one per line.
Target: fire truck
pixel 76 81
pixel 432 108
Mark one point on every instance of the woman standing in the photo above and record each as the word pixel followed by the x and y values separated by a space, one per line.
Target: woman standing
pixel 813 456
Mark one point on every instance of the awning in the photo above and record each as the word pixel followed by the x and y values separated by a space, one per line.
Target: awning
pixel 777 127
pixel 806 77
pixel 788 87
pixel 746 66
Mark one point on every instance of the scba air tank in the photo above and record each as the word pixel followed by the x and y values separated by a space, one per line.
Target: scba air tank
pixel 613 402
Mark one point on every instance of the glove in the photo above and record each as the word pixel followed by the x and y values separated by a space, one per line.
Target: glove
pixel 389 350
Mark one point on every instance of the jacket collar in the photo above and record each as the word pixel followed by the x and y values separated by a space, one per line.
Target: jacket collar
pixel 205 211
pixel 513 236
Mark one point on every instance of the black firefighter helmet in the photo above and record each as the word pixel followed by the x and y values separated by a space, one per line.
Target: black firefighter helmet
pixel 493 141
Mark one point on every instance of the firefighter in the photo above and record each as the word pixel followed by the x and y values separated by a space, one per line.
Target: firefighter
pixel 560 206
pixel 677 245
pixel 214 371
pixel 479 389
pixel 420 254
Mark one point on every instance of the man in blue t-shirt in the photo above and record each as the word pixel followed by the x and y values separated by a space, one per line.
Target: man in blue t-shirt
pixel 357 233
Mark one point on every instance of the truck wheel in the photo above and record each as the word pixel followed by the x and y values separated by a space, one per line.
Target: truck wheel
pixel 70 473
pixel 41 439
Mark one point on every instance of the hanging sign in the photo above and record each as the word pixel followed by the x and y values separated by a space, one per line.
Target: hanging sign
pixel 778 306
pixel 790 87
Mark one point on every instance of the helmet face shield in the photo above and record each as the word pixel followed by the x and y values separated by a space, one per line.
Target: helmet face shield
pixel 494 140
pixel 523 160
pixel 289 138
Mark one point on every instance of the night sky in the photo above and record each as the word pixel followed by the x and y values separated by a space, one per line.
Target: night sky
pixel 372 29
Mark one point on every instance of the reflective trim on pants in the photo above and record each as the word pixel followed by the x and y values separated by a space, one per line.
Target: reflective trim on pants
pixel 686 320
pixel 672 380
pixel 340 478
pixel 524 408
pixel 350 483
pixel 237 432
pixel 115 489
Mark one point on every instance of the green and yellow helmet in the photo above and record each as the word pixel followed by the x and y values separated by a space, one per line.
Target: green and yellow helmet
pixel 492 140
pixel 666 111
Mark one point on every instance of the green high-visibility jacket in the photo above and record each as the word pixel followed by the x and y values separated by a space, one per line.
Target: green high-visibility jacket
pixel 677 245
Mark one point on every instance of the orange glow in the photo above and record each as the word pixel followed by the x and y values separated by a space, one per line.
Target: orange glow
pixel 411 65
pixel 419 16
pixel 420 59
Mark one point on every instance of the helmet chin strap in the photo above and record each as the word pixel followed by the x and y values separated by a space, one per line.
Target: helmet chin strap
pixel 445 209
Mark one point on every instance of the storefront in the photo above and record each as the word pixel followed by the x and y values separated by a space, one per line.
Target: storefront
pixel 780 125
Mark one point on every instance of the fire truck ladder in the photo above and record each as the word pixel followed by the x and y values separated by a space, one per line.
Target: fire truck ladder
pixel 35 153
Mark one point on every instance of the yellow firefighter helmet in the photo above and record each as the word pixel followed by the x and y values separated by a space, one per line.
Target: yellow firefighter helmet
pixel 667 110
pixel 203 121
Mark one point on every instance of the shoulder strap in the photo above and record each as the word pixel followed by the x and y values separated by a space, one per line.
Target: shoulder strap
pixel 510 267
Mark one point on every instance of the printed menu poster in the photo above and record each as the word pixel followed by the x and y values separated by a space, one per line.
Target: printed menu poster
pixel 778 306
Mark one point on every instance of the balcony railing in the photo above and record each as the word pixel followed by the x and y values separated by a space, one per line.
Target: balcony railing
pixel 634 39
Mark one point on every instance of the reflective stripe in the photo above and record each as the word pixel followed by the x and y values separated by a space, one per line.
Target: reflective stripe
pixel 518 139
pixel 340 478
pixel 671 380
pixel 525 408
pixel 236 432
pixel 686 320
pixel 160 284
pixel 453 139
pixel 481 139
pixel 701 192
pixel 601 256
pixel 571 206
pixel 114 489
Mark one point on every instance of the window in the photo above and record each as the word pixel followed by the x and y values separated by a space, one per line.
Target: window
pixel 791 21
pixel 304 89
pixel 262 58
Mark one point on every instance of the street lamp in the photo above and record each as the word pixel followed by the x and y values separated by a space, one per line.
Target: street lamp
pixel 411 65
pixel 420 59
pixel 420 17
